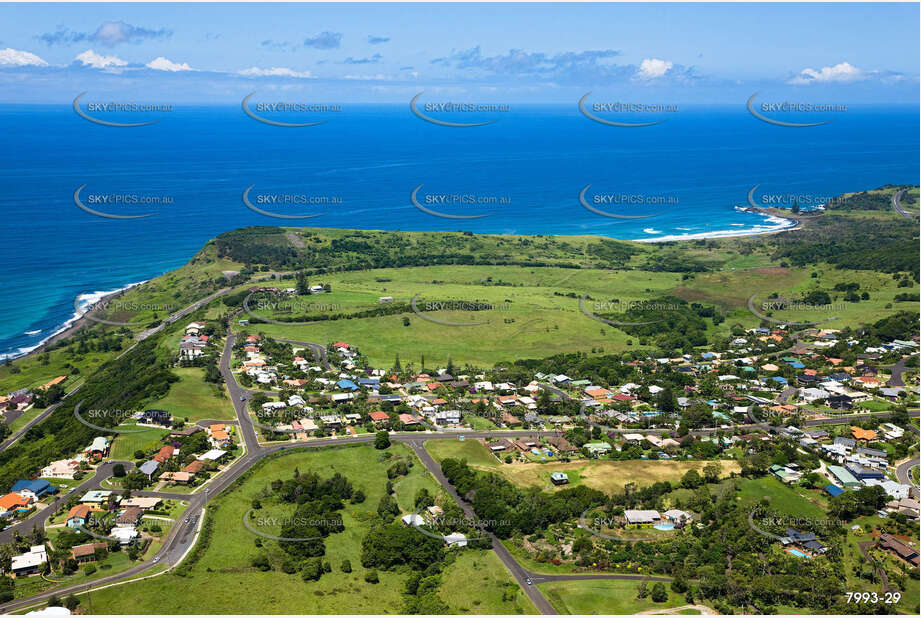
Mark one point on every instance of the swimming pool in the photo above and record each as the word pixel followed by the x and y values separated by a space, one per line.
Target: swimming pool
pixel 664 526
pixel 797 553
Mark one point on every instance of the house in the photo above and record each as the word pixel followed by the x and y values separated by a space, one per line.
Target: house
pixel 214 454
pixel 908 507
pixel 840 402
pixel 641 517
pixel 893 545
pixel 124 534
pixel 559 478
pixel 99 448
pixel 596 449
pixel 13 502
pixel 785 474
pixel 448 417
pixel 29 563
pixel 379 417
pixel 862 473
pixel 413 519
pixel 501 445
pixel 456 539
pixel 149 468
pixel 805 540
pixel 86 553
pixel 78 515
pixel 677 516
pixel 61 469
pixel 164 454
pixel 129 517
pixel 194 467
pixel 896 491
pixel 97 496
pixel 863 435
pixel 142 503
pixel 33 490
pixel 409 419
pixel 156 417
pixel 188 431
pixel 561 444
pixel 181 478
pixel 843 477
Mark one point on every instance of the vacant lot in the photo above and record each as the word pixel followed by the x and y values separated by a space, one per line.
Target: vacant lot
pixel 605 475
pixel 473 451
pixel 193 398
pixel 603 597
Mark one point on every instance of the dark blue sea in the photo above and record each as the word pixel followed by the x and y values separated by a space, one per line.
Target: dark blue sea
pixel 525 171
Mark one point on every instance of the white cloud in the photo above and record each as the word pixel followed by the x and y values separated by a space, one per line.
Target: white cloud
pixel 91 59
pixel 164 64
pixel 652 68
pixel 843 72
pixel 273 72
pixel 10 57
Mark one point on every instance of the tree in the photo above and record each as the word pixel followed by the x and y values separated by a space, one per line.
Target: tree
pixel 423 499
pixel 712 471
pixel 659 594
pixel 381 440
pixel 691 479
pixel 371 577
pixel 118 470
pixel 346 566
pixel 388 507
pixel 642 591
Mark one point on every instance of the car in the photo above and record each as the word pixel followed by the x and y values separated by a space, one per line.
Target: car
pixel 242 397
pixel 528 581
pixel 186 520
pixel 156 559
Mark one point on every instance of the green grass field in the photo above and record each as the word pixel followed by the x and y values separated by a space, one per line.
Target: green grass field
pixel 793 501
pixel 478 583
pixel 535 312
pixel 194 399
pixel 125 444
pixel 603 597
pixel 472 450
pixel 225 565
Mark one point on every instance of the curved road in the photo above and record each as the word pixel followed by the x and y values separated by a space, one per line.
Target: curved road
pixel 182 536
pixel 896 197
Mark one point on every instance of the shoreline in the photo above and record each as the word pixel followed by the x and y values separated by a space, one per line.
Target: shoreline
pixel 789 224
pixel 72 325
pixel 78 322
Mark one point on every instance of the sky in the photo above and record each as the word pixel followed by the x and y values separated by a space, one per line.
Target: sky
pixel 520 53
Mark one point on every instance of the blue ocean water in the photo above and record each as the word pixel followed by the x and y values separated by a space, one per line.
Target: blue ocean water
pixel 700 163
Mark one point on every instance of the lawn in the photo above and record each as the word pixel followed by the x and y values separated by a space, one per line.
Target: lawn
pixel 125 444
pixel 478 583
pixel 604 597
pixel 225 563
pixel 193 399
pixel 472 450
pixel 605 475
pixel 794 501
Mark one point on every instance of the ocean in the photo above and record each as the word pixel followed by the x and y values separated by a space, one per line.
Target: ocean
pixel 525 172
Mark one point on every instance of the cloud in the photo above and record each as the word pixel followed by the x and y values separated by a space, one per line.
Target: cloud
pixel 163 64
pixel 372 60
pixel 109 34
pixel 651 68
pixel 377 40
pixel 568 66
pixel 840 73
pixel 324 40
pixel 274 72
pixel 90 58
pixel 10 57
pixel 276 44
